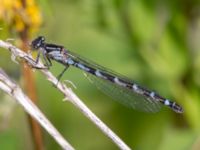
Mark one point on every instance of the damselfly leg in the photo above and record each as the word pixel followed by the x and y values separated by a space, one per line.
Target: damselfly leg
pixel 61 74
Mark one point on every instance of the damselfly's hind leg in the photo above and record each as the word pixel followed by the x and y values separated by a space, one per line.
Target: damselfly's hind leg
pixel 61 74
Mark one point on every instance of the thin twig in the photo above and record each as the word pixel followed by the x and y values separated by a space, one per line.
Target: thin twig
pixel 8 86
pixel 68 93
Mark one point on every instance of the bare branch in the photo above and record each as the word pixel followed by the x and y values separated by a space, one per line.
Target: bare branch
pixel 8 86
pixel 68 93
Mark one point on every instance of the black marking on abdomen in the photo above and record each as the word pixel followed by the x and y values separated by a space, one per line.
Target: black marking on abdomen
pixel 107 76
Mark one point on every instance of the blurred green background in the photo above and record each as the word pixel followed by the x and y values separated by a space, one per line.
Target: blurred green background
pixel 155 43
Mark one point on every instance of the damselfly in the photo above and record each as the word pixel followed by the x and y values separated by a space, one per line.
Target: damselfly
pixel 121 88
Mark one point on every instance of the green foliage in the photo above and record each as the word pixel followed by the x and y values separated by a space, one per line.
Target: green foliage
pixel 156 43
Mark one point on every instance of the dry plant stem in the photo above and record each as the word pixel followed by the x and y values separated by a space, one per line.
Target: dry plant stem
pixel 30 87
pixel 69 95
pixel 15 91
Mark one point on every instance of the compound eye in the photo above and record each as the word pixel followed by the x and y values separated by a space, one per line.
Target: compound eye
pixel 38 42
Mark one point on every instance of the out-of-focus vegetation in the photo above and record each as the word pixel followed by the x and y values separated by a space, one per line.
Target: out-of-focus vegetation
pixel 156 43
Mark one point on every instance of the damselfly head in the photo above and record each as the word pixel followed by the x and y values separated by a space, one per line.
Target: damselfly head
pixel 38 42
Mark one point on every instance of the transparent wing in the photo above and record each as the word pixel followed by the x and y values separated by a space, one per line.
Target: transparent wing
pixel 125 96
pixel 121 94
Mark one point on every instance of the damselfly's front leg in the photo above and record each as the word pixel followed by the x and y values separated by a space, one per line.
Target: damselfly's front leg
pixel 33 62
pixel 38 57
pixel 47 61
